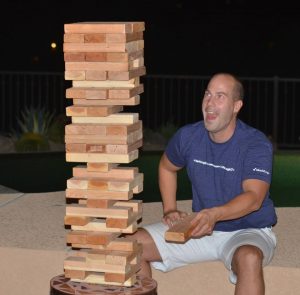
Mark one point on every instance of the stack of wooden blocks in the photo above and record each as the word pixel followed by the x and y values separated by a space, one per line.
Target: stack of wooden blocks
pixel 104 62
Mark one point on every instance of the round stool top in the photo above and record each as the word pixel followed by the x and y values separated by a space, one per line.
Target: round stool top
pixel 61 285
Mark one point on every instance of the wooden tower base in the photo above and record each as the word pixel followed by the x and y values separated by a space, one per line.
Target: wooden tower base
pixel 60 285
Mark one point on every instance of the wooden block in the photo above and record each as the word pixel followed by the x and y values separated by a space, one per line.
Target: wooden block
pixel 121 278
pixel 80 263
pixel 181 231
pixel 84 148
pixel 123 129
pixel 125 185
pixel 104 27
pixel 100 225
pixel 105 183
pixel 99 278
pixel 121 118
pixel 138 189
pixel 109 149
pixel 136 205
pixel 77 220
pixel 119 56
pixel 123 223
pixel 119 93
pixel 94 38
pixel 102 129
pixel 74 56
pixel 76 237
pixel 98 66
pixel 101 111
pixel 86 129
pixel 103 94
pixel 104 47
pixel 76 274
pixel 79 183
pixel 119 244
pixel 91 237
pixel 102 158
pixel 123 149
pixel 97 56
pixel 113 173
pixel 100 238
pixel 76 75
pixel 121 257
pixel 74 38
pixel 107 83
pixel 109 256
pixel 121 38
pixel 95 75
pixel 118 223
pixel 87 93
pixel 126 75
pixel 95 183
pixel 96 203
pixel 108 102
pixel 98 194
pixel 131 138
pixel 114 212
pixel 100 167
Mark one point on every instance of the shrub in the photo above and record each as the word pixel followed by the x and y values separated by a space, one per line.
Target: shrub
pixel 33 130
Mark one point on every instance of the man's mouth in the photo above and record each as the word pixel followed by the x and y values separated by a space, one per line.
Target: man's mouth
pixel 210 115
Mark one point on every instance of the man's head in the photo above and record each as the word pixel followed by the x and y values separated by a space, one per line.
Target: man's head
pixel 221 103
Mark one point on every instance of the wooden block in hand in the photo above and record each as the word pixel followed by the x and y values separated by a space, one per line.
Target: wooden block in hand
pixel 181 231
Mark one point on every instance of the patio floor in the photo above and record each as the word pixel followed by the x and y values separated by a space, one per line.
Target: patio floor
pixel 32 250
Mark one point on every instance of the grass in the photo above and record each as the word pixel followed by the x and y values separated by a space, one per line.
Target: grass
pixel 285 187
pixel 46 172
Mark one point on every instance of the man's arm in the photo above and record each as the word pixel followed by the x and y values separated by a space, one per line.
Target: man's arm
pixel 168 187
pixel 254 192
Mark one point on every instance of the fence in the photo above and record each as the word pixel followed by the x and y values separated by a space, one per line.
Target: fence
pixel 270 105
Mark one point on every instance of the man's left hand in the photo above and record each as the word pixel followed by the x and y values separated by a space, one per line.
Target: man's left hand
pixel 204 223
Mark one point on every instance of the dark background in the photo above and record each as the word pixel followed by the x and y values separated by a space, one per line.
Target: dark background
pixel 246 37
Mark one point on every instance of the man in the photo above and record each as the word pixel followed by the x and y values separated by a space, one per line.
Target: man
pixel 229 164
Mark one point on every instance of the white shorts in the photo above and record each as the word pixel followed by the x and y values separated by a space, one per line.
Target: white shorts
pixel 218 246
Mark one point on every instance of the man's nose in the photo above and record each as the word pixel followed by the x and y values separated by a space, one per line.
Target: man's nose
pixel 211 100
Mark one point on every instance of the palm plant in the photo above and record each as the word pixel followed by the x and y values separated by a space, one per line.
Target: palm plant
pixel 33 126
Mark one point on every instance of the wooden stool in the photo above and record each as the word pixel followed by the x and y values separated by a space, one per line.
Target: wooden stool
pixel 64 286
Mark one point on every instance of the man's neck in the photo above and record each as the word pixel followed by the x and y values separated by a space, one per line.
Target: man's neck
pixel 223 135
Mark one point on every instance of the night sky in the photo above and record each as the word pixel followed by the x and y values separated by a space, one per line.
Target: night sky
pixel 246 37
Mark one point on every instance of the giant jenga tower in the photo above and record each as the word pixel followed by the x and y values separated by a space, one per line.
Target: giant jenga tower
pixel 104 62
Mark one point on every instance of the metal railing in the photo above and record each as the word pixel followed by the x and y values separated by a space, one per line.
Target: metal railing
pixel 270 104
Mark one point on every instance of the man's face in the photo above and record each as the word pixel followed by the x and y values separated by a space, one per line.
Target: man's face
pixel 220 107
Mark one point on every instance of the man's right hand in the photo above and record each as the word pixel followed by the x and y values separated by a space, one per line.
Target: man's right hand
pixel 172 217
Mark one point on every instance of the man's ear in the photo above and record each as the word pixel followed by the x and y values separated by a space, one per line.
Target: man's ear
pixel 238 105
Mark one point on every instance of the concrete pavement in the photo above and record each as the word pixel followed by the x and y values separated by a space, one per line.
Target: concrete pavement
pixel 32 250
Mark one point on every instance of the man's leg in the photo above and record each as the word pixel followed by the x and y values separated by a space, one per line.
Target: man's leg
pixel 247 265
pixel 150 252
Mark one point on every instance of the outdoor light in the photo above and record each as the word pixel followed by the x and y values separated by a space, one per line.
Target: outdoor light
pixel 53 45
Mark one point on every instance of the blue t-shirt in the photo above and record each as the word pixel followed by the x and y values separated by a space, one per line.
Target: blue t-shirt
pixel 217 170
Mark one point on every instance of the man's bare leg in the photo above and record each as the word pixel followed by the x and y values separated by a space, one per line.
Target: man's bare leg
pixel 247 265
pixel 150 252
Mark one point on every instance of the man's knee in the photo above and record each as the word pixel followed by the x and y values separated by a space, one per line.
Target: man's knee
pixel 150 251
pixel 247 257
pixel 142 236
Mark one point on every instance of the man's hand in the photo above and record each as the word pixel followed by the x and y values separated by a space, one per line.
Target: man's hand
pixel 172 217
pixel 204 222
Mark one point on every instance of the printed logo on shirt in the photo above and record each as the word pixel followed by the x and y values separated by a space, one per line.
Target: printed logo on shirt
pixel 261 170
pixel 213 165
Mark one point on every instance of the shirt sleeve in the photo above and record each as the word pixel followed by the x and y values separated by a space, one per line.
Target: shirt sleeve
pixel 259 161
pixel 174 149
